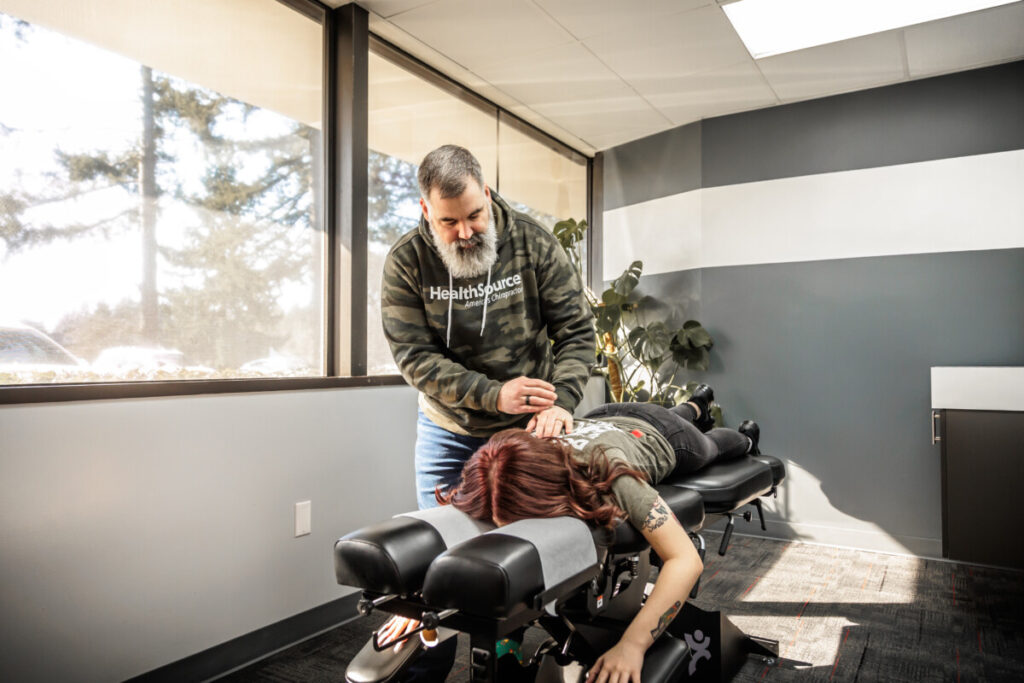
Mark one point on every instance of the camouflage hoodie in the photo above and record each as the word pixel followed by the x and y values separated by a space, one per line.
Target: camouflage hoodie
pixel 458 347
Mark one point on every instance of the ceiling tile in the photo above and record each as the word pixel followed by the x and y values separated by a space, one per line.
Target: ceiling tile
pixel 473 33
pixel 556 75
pixel 474 82
pixel 966 41
pixel 417 48
pixel 671 46
pixel 709 93
pixel 552 129
pixel 628 117
pixel 389 8
pixel 586 18
pixel 837 67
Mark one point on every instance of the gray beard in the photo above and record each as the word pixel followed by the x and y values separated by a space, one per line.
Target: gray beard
pixel 472 257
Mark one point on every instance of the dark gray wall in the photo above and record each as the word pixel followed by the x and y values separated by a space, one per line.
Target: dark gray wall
pixel 973 112
pixel 658 165
pixel 832 357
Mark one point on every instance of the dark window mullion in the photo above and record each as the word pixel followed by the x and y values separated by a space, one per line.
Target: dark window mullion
pixel 595 222
pixel 350 191
pixel 333 292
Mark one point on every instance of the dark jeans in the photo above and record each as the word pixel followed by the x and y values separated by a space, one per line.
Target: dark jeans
pixel 693 449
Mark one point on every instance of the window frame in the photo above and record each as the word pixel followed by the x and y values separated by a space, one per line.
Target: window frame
pixel 347 42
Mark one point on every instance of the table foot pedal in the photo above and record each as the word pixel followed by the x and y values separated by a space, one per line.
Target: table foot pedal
pixel 371 666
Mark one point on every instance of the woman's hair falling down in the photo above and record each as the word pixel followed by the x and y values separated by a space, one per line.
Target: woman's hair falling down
pixel 516 475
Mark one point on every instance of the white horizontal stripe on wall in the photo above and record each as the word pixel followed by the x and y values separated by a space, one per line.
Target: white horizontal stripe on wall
pixel 664 233
pixel 959 204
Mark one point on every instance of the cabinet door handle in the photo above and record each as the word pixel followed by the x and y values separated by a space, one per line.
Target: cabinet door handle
pixel 935 432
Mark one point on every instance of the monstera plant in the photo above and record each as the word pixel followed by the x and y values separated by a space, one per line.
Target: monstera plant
pixel 642 359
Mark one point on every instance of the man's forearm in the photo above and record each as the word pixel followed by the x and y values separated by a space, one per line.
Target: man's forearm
pixel 449 382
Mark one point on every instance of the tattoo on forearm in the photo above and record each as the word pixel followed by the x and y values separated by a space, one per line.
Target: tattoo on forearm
pixel 658 515
pixel 666 619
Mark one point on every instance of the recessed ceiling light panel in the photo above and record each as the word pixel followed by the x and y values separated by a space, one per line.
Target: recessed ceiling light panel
pixel 771 27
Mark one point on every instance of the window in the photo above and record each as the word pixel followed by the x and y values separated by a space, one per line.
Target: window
pixel 165 212
pixel 161 197
pixel 539 179
pixel 411 112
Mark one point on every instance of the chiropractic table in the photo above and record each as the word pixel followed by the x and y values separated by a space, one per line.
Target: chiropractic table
pixel 580 585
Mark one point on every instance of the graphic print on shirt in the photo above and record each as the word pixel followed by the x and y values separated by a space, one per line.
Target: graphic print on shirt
pixel 473 295
pixel 585 432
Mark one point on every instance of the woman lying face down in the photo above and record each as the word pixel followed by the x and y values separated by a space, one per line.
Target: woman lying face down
pixel 602 473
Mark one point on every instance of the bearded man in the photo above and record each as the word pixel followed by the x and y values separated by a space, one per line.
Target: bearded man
pixel 485 316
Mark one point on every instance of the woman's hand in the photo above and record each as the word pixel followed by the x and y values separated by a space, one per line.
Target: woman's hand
pixel 621 664
pixel 551 422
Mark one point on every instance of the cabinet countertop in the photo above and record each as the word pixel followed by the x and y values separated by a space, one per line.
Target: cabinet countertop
pixel 978 388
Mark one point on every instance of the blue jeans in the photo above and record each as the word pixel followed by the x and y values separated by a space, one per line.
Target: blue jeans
pixel 440 455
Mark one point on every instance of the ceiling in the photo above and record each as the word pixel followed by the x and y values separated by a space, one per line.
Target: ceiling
pixel 598 73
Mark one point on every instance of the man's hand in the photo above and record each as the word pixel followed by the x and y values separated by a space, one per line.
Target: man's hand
pixel 551 422
pixel 395 628
pixel 525 395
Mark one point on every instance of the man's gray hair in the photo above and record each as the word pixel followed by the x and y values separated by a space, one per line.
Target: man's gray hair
pixel 446 169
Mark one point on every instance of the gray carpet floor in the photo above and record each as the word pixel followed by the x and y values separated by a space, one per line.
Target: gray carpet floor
pixel 838 615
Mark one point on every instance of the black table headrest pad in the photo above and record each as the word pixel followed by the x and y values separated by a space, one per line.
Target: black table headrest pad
pixel 389 557
pixel 393 556
pixel 488 576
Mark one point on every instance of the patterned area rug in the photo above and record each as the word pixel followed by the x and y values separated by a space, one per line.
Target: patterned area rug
pixel 838 614
pixel 850 615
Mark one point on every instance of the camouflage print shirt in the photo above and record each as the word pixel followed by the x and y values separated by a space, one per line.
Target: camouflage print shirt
pixel 536 323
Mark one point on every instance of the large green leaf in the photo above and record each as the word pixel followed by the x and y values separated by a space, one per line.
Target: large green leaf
pixel 630 278
pixel 694 359
pixel 570 233
pixel 612 298
pixel 651 342
pixel 691 336
pixel 696 335
pixel 607 318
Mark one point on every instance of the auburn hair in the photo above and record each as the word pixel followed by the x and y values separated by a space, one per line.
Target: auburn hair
pixel 516 475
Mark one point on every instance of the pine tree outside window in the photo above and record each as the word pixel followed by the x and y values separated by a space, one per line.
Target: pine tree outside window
pixel 161 196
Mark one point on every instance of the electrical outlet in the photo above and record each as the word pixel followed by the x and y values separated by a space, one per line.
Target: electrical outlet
pixel 303 518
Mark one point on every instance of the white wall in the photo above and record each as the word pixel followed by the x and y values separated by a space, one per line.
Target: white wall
pixel 137 532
